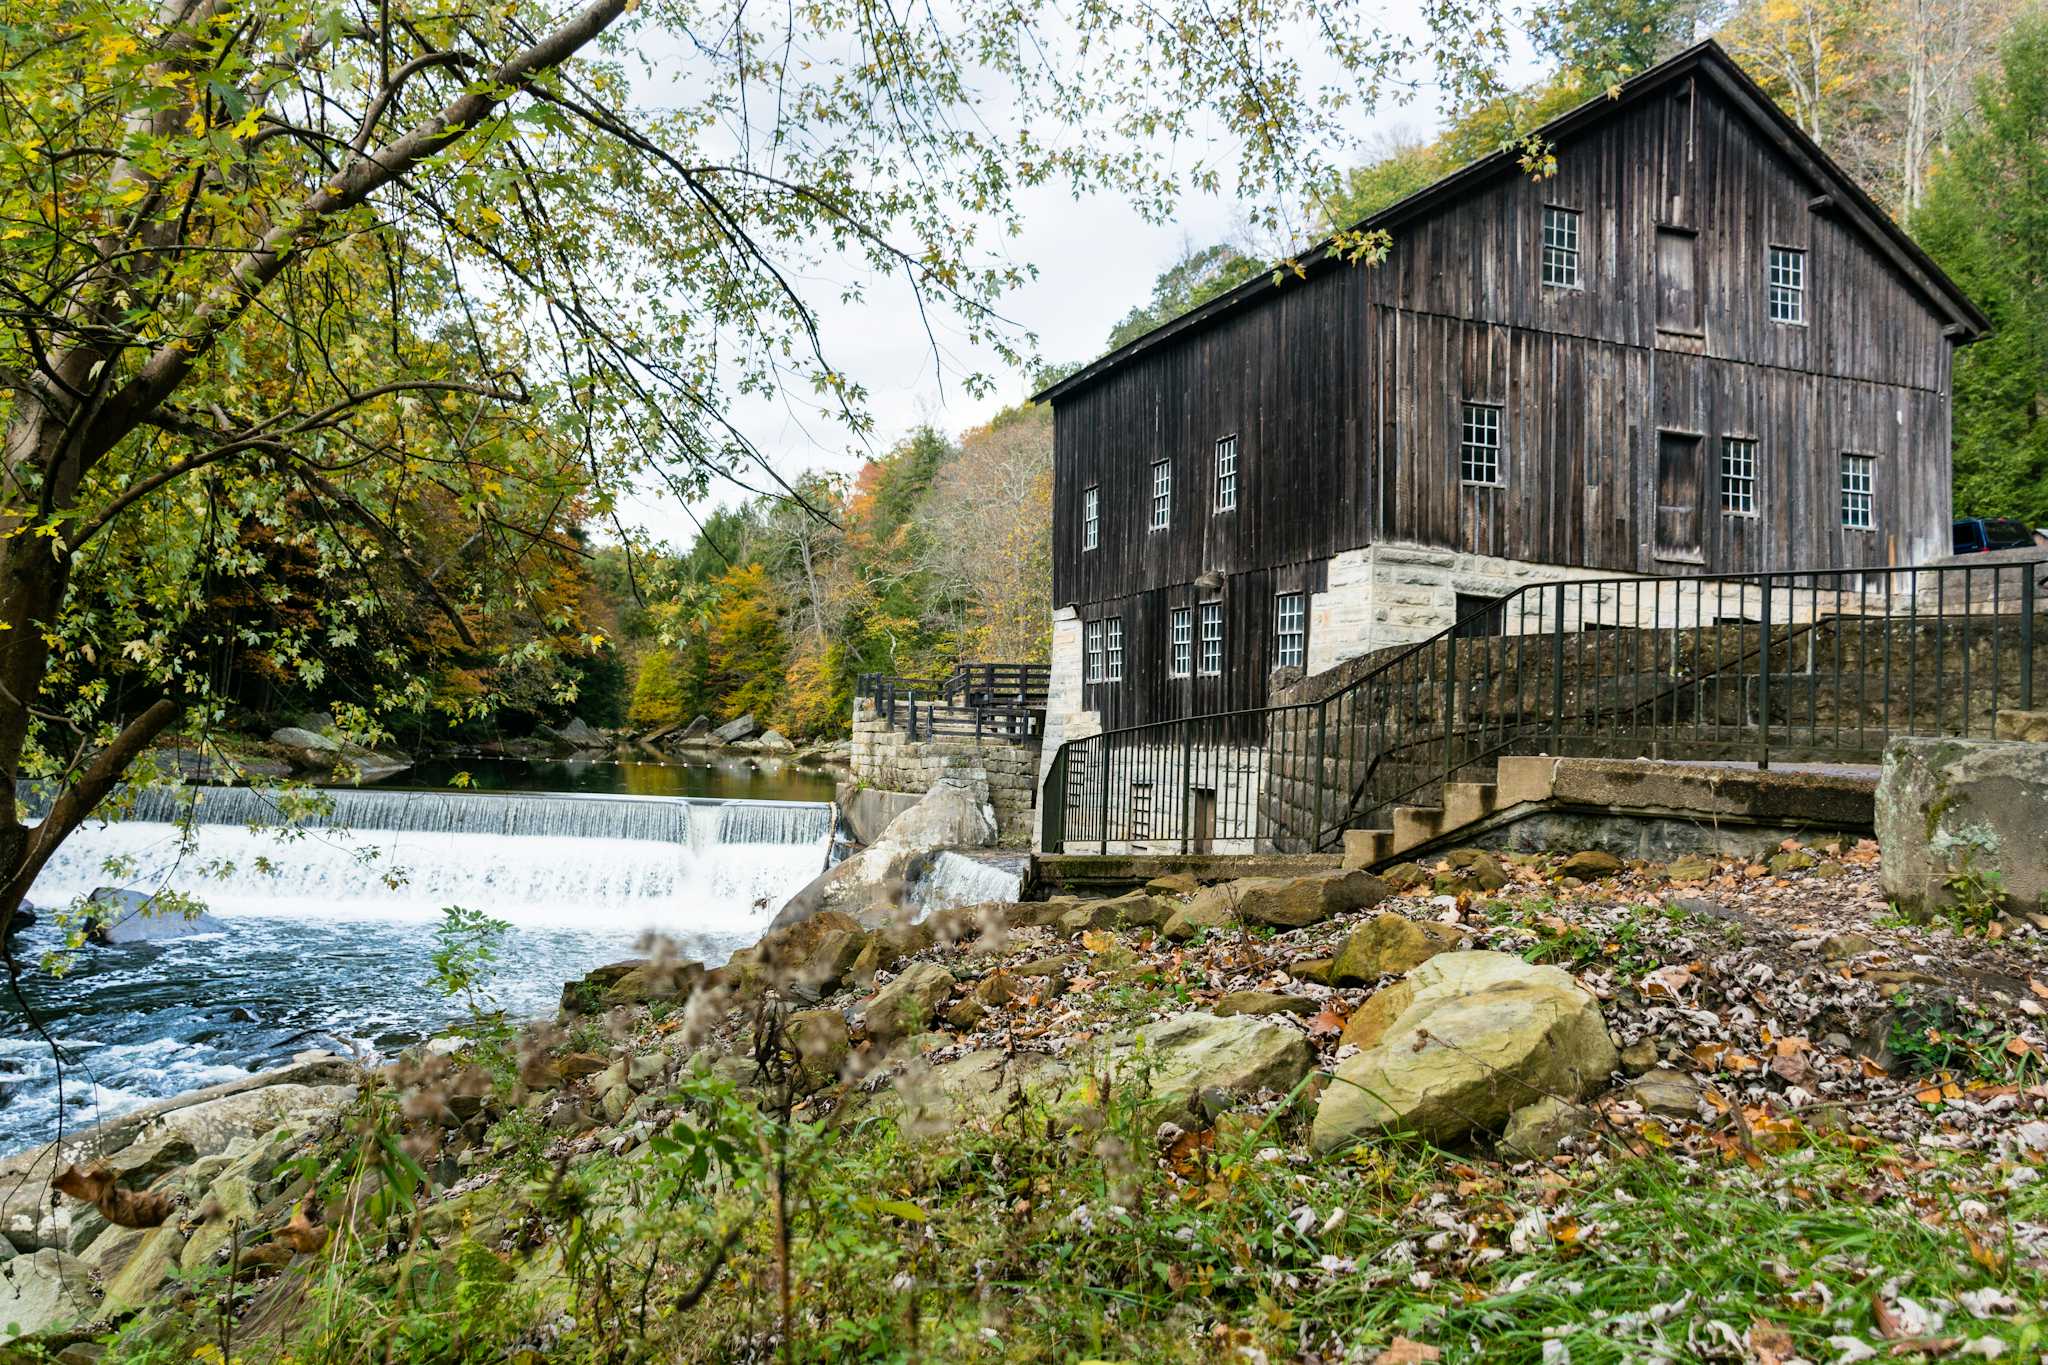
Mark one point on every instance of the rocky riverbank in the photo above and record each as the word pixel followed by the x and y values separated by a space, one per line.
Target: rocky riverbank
pixel 1489 1106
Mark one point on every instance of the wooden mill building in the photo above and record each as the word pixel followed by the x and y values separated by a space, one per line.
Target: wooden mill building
pixel 1698 347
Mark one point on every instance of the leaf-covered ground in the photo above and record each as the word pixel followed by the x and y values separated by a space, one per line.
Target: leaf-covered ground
pixel 1840 1158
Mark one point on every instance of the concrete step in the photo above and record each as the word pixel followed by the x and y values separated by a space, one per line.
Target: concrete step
pixel 1415 825
pixel 1465 802
pixel 1366 847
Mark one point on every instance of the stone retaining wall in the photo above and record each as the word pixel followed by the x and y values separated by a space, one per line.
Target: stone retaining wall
pixel 884 757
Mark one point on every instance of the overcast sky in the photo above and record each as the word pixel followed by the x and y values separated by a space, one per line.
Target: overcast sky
pixel 1095 257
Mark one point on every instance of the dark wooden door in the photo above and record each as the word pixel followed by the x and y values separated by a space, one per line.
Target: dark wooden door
pixel 1678 292
pixel 1681 490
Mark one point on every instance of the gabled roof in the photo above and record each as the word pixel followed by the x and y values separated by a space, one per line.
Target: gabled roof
pixel 1707 60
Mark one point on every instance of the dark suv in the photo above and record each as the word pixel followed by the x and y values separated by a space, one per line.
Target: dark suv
pixel 1974 535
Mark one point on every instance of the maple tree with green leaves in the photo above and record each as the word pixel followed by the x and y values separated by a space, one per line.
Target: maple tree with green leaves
pixel 405 292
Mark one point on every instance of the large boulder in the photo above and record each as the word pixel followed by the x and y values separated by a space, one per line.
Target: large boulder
pixel 1293 902
pixel 1964 822
pixel 976 1087
pixel 213 1126
pixel 635 981
pixel 733 731
pixel 874 885
pixel 307 749
pixel 774 742
pixel 1460 1043
pixel 118 916
pixel 1388 944
pixel 908 1004
pixel 1239 1054
pixel 313 752
pixel 950 815
pixel 42 1290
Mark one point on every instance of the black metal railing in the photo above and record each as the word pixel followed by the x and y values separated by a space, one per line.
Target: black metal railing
pixel 1797 666
pixel 1004 702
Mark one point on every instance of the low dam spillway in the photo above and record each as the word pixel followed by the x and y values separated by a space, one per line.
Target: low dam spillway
pixel 328 919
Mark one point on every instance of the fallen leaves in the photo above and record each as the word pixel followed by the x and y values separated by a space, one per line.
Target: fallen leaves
pixel 98 1186
pixel 1405 1351
pixel 1327 1022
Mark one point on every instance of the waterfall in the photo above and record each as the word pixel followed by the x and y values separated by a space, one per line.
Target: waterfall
pixel 666 819
pixel 955 879
pixel 676 865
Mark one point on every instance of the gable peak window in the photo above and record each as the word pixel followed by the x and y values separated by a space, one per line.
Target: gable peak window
pixel 1091 518
pixel 1479 444
pixel 1162 494
pixel 1290 630
pixel 1212 637
pixel 1560 247
pixel 1181 640
pixel 1859 492
pixel 1738 475
pixel 1787 285
pixel 1226 474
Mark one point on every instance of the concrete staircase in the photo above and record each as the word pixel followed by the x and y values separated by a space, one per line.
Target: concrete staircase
pixel 1713 798
pixel 1464 803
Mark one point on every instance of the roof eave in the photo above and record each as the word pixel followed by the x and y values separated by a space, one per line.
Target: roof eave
pixel 1967 322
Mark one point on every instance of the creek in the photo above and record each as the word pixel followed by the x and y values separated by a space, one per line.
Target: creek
pixel 326 930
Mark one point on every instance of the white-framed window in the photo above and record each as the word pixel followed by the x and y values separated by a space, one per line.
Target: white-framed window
pixel 1091 518
pixel 1113 653
pixel 1181 643
pixel 1290 630
pixel 1091 640
pixel 1859 492
pixel 1141 810
pixel 1212 637
pixel 1738 475
pixel 1226 474
pixel 1479 444
pixel 1560 247
pixel 1162 494
pixel 1786 295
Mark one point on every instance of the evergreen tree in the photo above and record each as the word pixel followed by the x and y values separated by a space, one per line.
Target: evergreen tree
pixel 1986 222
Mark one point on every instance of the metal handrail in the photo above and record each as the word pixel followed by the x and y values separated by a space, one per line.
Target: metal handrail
pixel 1809 662
pixel 984 700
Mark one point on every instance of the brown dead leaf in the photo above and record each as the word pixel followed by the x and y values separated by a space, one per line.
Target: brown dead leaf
pixel 1887 1321
pixel 1403 1351
pixel 1098 940
pixel 1771 1343
pixel 2020 1047
pixel 1326 1022
pixel 1984 1253
pixel 2037 988
pixel 302 1233
pixel 1667 983
pixel 99 1186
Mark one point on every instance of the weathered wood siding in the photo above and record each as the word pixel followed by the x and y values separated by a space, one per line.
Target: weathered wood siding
pixel 1345 393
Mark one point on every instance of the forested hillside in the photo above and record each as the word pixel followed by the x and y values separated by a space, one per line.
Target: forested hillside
pixel 938 550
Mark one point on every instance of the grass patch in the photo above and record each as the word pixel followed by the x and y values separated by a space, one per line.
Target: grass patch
pixel 1035 1239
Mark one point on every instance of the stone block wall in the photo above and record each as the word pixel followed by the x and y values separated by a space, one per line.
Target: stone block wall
pixel 886 758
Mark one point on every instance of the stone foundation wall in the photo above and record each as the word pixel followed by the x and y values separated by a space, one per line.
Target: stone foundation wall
pixel 886 758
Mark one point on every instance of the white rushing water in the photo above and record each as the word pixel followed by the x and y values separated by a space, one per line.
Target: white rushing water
pixel 327 931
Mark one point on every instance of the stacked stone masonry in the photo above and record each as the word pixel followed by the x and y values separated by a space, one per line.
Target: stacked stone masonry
pixel 886 758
